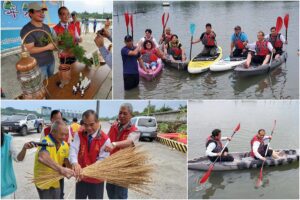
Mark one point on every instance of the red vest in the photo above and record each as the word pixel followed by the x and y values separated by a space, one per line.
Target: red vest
pixel 275 41
pixel 47 131
pixel 59 30
pixel 219 145
pixel 255 139
pixel 86 157
pixel 175 50
pixel 77 25
pixel 238 43
pixel 114 132
pixel 208 40
pixel 262 48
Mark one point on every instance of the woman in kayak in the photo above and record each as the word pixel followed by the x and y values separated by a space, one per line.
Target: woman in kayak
pixel 214 147
pixel 258 147
pixel 262 47
pixel 150 55
pixel 175 50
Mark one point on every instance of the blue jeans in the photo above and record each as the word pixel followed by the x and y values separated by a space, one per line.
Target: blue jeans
pixel 116 192
pixel 47 70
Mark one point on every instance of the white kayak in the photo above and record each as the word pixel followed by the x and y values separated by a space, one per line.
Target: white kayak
pixel 227 64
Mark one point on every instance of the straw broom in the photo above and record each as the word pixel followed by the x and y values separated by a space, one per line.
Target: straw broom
pixel 127 168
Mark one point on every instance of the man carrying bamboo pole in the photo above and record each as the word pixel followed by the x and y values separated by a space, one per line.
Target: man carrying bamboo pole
pixel 87 148
pixel 52 158
pixel 122 134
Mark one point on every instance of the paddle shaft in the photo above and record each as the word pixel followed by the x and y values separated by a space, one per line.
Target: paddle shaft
pixel 262 166
pixel 271 59
pixel 191 47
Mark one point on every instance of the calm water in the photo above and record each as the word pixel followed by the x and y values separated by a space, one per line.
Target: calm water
pixel 251 16
pixel 279 182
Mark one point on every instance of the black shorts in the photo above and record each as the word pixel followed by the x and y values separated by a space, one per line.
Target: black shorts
pixel 131 81
pixel 262 152
pixel 227 158
pixel 258 59
pixel 239 53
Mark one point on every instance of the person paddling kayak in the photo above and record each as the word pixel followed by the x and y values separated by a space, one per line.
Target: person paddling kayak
pixel 239 40
pixel 214 147
pixel 277 40
pixel 258 147
pixel 208 39
pixel 262 49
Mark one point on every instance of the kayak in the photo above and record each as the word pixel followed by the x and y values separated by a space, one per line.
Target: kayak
pixel 253 70
pixel 176 64
pixel 227 64
pixel 152 74
pixel 242 160
pixel 202 63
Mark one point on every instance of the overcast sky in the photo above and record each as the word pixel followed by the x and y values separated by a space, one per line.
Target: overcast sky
pixel 89 6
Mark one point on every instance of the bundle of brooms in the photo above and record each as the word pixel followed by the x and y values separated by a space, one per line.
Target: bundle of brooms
pixel 128 168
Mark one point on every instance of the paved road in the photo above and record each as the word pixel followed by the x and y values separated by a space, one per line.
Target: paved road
pixel 170 179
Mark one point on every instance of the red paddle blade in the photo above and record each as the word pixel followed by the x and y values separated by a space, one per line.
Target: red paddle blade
pixel 167 19
pixel 131 22
pixel 237 128
pixel 206 175
pixel 279 24
pixel 286 20
pixel 126 18
pixel 259 180
pixel 163 19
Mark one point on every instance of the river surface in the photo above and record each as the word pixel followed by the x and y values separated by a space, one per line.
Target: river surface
pixel 282 83
pixel 278 182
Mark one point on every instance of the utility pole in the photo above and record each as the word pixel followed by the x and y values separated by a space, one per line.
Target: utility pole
pixel 149 107
pixel 98 107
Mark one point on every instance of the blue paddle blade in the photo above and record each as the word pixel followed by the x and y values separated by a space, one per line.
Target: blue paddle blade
pixel 192 28
pixel 227 58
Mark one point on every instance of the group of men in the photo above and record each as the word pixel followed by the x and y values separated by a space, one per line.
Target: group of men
pixel 43 53
pixel 75 147
pixel 215 152
pixel 257 52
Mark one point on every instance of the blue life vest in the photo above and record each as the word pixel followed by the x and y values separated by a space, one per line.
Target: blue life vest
pixel 8 179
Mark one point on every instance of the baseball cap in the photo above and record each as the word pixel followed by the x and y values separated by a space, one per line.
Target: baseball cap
pixel 35 6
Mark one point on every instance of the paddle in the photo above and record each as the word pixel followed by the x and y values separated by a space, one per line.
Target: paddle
pixel 259 181
pixel 164 23
pixel 278 24
pixel 207 174
pixel 271 59
pixel 286 24
pixel 127 21
pixel 131 25
pixel 192 31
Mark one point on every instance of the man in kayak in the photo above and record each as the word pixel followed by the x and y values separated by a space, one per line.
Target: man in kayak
pixel 166 37
pixel 148 36
pixel 131 57
pixel 262 49
pixel 239 40
pixel 277 40
pixel 258 147
pixel 214 147
pixel 208 39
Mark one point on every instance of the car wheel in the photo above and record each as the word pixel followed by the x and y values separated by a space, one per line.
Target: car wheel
pixel 39 128
pixel 23 131
pixel 151 139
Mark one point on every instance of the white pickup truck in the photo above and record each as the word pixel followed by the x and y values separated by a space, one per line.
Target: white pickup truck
pixel 22 124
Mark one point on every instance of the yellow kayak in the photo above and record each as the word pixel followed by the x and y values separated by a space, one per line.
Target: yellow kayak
pixel 201 64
